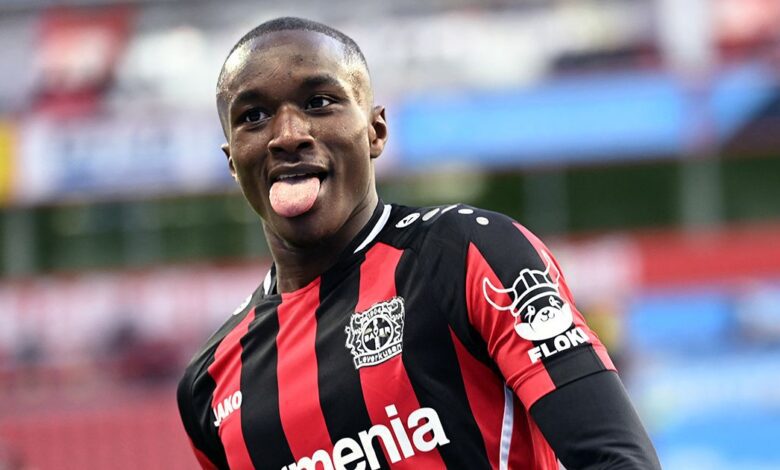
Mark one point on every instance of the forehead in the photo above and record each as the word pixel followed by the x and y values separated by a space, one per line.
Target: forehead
pixel 283 55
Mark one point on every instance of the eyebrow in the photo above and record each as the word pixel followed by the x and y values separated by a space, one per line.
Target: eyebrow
pixel 315 81
pixel 308 83
pixel 242 97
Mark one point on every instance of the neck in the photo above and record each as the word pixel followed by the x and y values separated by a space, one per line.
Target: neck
pixel 297 266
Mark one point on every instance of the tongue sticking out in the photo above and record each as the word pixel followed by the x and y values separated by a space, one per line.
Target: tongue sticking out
pixel 292 197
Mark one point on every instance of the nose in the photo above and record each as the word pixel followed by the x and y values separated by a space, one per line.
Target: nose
pixel 291 132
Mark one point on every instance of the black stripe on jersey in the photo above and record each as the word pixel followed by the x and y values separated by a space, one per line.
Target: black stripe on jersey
pixel 436 377
pixel 580 362
pixel 264 436
pixel 195 422
pixel 341 393
pixel 196 391
pixel 445 260
pixel 492 242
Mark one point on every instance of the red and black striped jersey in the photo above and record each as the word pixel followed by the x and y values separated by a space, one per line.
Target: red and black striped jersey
pixel 423 347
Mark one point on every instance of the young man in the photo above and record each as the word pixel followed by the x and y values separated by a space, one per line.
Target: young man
pixel 385 336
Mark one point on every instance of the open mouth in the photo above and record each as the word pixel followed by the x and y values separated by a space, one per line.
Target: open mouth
pixel 292 178
pixel 295 191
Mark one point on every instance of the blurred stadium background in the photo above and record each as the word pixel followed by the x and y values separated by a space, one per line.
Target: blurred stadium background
pixel 640 138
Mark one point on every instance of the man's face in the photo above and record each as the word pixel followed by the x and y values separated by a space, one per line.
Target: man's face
pixel 301 134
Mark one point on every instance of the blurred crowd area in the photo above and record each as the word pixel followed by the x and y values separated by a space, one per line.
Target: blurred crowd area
pixel 639 138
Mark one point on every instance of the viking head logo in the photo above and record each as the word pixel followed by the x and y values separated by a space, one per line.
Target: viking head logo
pixel 534 301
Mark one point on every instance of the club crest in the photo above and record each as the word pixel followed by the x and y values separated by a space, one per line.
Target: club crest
pixel 534 301
pixel 376 335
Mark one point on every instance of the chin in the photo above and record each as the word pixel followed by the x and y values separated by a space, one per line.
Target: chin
pixel 305 230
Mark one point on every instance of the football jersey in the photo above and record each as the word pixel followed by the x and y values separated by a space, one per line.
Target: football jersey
pixel 423 347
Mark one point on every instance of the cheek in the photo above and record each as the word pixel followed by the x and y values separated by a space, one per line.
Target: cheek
pixel 248 172
pixel 356 139
pixel 253 195
pixel 246 158
pixel 243 176
pixel 350 128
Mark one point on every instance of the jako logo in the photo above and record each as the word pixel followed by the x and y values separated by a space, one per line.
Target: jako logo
pixel 227 406
pixel 427 435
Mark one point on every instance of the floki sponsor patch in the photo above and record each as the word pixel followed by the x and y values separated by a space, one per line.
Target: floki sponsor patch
pixel 571 338
pixel 376 335
pixel 540 313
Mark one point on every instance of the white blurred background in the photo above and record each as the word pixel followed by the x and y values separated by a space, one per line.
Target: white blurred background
pixel 640 138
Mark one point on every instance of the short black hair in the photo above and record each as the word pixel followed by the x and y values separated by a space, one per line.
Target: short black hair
pixel 291 23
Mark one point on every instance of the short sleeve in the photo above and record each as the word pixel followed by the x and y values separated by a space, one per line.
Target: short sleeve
pixel 198 443
pixel 518 302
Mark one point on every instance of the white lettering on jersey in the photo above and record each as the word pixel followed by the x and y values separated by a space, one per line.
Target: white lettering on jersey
pixel 572 338
pixel 427 434
pixel 227 406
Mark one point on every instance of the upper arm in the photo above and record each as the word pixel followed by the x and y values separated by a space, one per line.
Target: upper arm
pixel 520 306
pixel 190 419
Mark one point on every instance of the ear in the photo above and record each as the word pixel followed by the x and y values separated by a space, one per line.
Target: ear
pixel 377 131
pixel 226 150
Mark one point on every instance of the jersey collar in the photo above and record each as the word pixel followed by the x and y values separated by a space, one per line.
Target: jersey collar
pixel 366 235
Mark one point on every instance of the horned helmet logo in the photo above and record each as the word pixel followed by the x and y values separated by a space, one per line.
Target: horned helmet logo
pixel 535 302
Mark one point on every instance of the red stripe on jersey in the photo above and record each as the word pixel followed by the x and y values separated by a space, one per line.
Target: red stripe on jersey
pixel 299 397
pixel 485 392
pixel 535 387
pixel 226 372
pixel 204 461
pixel 377 276
pixel 601 352
pixel 542 251
pixel 579 321
pixel 529 447
pixel 530 381
pixel 388 383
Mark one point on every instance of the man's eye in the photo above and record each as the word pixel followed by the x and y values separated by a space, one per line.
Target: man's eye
pixel 319 102
pixel 254 116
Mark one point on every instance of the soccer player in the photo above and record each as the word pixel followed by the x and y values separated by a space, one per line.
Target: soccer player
pixel 385 336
